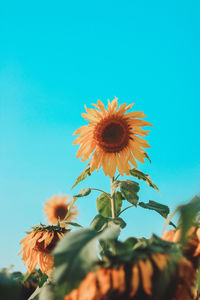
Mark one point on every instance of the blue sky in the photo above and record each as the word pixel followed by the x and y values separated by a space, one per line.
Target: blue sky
pixel 57 56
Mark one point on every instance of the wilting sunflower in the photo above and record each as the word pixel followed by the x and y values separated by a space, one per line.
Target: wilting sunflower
pixel 192 247
pixel 124 282
pixel 57 208
pixel 146 279
pixel 186 281
pixel 112 136
pixel 38 245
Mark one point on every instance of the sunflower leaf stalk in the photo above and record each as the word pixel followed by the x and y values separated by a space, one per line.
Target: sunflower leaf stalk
pixel 112 198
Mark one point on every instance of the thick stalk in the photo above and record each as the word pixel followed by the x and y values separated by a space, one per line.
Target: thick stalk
pixel 112 199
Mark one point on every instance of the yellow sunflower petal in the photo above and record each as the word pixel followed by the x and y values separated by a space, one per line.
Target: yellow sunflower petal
pixel 135 114
pixel 89 117
pixel 83 129
pixel 141 123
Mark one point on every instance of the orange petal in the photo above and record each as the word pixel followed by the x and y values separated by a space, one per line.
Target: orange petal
pixel 135 114
pixel 114 105
pixel 135 281
pixel 93 112
pixel 72 296
pixel 139 155
pixel 104 281
pixel 122 109
pixel 160 260
pixel 83 129
pixel 168 235
pixel 113 165
pixel 141 123
pixel 88 288
pixel 83 138
pixel 146 270
pixel 90 117
pixel 133 161
pixel 118 280
pixel 48 240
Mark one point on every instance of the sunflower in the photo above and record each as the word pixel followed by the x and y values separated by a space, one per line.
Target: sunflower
pixel 192 247
pixel 57 207
pixel 140 280
pixel 124 282
pixel 186 281
pixel 112 136
pixel 38 245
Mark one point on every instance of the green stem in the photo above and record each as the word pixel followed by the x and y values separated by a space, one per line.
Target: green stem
pixel 125 209
pixel 94 189
pixel 117 176
pixel 112 199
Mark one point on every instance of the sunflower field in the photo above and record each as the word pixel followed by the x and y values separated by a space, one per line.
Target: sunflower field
pixel 66 261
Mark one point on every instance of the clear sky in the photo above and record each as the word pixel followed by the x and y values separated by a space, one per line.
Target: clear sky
pixel 56 56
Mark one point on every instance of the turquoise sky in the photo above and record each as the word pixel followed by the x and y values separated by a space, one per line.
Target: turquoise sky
pixel 57 56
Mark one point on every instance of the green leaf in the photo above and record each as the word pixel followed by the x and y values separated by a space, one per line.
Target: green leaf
pixel 83 193
pixel 104 204
pixel 130 242
pixel 99 222
pixel 188 213
pixel 129 190
pixel 76 254
pixel 140 175
pixel 163 210
pixel 82 176
pixel 118 201
pixel 119 221
pixel 43 278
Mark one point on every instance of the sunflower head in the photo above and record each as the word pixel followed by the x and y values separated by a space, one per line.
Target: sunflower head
pixel 126 281
pixel 38 245
pixel 57 207
pixel 112 138
pixel 192 247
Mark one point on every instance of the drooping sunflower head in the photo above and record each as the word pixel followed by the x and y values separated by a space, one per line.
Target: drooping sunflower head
pixel 57 207
pixel 38 245
pixel 191 248
pixel 127 281
pixel 112 138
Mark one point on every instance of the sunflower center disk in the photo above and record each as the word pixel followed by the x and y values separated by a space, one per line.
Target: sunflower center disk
pixel 60 212
pixel 112 135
